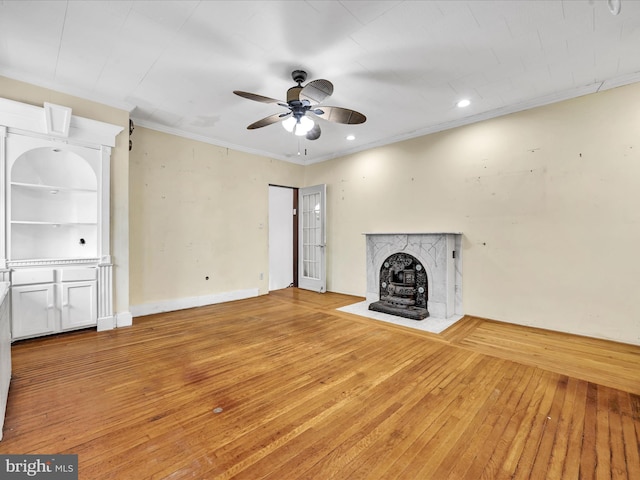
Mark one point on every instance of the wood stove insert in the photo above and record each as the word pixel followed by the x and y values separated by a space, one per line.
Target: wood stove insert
pixel 403 287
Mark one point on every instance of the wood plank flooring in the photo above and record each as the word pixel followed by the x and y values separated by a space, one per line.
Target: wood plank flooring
pixel 307 392
pixel 607 363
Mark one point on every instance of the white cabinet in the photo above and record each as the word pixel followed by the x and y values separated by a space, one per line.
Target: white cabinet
pixel 5 351
pixel 33 310
pixel 55 221
pixel 46 301
pixel 78 307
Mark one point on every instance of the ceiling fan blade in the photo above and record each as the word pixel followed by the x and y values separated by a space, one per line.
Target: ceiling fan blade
pixel 256 97
pixel 340 115
pixel 275 118
pixel 293 94
pixel 316 91
pixel 314 133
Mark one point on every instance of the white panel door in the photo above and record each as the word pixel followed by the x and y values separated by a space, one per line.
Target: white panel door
pixel 312 271
pixel 280 237
pixel 33 310
pixel 78 304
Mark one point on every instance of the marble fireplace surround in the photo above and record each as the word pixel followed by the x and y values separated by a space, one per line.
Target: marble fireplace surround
pixel 441 255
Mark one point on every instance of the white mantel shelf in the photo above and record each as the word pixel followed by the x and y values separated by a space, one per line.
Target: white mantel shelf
pixel 412 233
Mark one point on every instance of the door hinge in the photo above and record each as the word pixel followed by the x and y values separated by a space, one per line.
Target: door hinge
pixel 453 254
pixel 295 212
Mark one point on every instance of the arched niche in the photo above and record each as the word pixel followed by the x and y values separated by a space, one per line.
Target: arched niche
pixel 54 166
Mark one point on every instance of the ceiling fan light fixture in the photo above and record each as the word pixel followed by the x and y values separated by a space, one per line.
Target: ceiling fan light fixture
pixel 299 126
pixel 303 126
pixel 289 124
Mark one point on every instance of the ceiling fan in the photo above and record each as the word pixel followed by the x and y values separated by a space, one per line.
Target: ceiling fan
pixel 302 100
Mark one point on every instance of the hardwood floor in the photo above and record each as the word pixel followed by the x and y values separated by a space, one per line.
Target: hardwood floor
pixel 307 392
pixel 607 363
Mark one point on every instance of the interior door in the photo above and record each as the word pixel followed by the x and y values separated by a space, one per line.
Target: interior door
pixel 312 271
pixel 282 232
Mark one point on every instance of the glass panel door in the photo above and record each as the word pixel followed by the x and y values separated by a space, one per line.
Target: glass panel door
pixel 312 221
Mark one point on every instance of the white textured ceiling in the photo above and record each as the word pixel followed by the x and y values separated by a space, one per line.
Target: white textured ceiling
pixel 404 64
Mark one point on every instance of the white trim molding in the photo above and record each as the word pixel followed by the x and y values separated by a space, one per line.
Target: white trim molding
pixel 106 323
pixel 124 319
pixel 55 121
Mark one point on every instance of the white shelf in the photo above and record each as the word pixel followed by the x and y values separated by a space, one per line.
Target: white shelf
pixel 54 224
pixel 45 204
pixel 52 189
pixel 32 239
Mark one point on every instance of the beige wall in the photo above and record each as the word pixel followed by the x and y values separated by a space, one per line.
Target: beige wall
pixel 30 94
pixel 197 211
pixel 548 201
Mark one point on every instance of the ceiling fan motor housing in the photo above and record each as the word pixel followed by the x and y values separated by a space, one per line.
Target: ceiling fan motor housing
pixel 299 76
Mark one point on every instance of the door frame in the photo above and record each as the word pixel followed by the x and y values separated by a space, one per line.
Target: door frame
pixel 296 237
pixel 317 279
pixel 294 206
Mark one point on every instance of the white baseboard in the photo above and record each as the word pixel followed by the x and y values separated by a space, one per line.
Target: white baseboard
pixel 106 323
pixel 190 302
pixel 124 319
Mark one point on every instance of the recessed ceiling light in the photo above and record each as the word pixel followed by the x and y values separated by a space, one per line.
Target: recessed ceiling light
pixel 463 103
pixel 351 137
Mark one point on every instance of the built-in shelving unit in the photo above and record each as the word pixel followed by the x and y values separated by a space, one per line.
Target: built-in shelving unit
pixel 55 172
pixel 54 205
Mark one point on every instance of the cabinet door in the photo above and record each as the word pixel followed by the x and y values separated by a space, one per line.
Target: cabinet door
pixel 79 304
pixel 32 310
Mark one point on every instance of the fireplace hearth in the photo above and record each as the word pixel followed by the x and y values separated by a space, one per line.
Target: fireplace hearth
pixel 403 287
